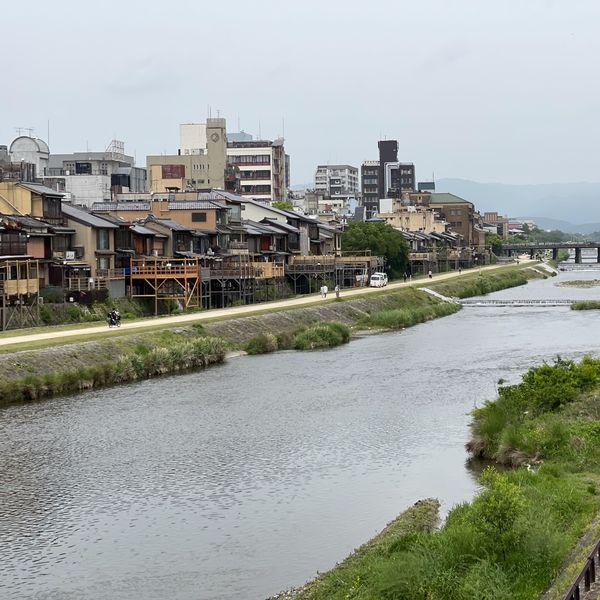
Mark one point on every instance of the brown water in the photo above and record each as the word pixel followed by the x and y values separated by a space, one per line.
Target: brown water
pixel 249 477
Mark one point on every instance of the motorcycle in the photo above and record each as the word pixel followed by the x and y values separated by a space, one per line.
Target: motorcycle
pixel 113 321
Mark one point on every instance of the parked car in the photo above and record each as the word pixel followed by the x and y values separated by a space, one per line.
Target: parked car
pixel 378 280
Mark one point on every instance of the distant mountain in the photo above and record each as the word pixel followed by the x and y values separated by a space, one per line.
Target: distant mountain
pixel 298 187
pixel 576 205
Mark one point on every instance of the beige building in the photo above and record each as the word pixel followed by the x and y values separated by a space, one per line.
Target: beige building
pixel 195 166
pixel 23 198
pixel 94 239
pixel 411 218
pixel 262 168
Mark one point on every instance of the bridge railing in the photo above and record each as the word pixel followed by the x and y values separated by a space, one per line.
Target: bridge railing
pixel 587 575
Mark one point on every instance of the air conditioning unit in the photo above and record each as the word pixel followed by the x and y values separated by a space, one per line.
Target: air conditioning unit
pixel 70 254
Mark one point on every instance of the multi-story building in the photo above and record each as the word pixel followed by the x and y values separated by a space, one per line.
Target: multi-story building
pixel 460 214
pixel 200 163
pixel 262 168
pixel 385 178
pixel 337 180
pixel 88 177
pixel 369 175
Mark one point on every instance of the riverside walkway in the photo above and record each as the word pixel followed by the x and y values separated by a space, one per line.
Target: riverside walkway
pixel 61 335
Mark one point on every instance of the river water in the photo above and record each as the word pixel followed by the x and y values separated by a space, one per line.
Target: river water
pixel 247 478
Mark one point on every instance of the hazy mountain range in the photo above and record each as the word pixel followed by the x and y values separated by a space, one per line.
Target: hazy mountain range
pixel 572 207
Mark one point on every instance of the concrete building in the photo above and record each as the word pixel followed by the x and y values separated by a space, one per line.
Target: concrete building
pixel 501 224
pixel 460 214
pixel 199 164
pixel 405 217
pixel 32 150
pixel 88 177
pixel 337 180
pixel 369 175
pixel 262 168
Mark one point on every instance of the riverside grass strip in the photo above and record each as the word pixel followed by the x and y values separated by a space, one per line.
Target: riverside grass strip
pixel 140 362
pixel 511 540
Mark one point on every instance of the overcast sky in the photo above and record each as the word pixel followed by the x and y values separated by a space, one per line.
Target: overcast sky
pixel 491 90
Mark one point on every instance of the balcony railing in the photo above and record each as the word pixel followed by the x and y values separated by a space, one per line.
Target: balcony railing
pixel 110 273
pixel 81 284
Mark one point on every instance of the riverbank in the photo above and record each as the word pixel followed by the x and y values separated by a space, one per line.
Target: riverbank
pixel 42 373
pixel 512 540
pixel 421 518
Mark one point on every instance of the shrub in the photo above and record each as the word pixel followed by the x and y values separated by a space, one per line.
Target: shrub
pixel 262 344
pixel 322 335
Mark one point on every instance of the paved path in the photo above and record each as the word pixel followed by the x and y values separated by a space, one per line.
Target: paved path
pixel 236 311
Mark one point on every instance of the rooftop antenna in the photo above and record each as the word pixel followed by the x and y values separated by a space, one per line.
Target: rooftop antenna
pixel 20 130
pixel 259 133
pixel 283 127
pixel 48 133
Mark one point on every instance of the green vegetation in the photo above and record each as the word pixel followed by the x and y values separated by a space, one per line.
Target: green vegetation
pixel 510 541
pixel 382 240
pixel 261 344
pixel 399 318
pixel 169 354
pixel 282 205
pixel 55 314
pixel 480 284
pixel 586 305
pixel 322 335
pixel 494 241
pixel 349 577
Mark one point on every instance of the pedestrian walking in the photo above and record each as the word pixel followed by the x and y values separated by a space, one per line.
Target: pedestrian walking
pixel 337 291
pixel 430 274
pixel 322 290
pixel 404 277
pixel 325 290
pixel 459 270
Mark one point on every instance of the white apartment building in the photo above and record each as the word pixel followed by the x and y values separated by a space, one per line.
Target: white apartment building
pixel 338 182
pixel 262 168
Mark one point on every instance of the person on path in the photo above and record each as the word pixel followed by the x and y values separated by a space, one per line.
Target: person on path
pixel 459 270
pixel 325 290
pixel 337 291
pixel 404 277
pixel 430 274
pixel 322 290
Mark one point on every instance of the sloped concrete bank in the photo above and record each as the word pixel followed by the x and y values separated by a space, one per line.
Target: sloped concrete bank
pixel 69 368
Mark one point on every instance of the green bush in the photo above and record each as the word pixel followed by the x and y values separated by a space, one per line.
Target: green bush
pixel 407 317
pixel 262 344
pixel 322 335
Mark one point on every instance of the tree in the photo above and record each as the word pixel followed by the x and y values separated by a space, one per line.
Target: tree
pixel 283 205
pixel 495 241
pixel 382 240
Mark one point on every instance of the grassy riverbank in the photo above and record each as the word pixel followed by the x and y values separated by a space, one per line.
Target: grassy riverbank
pixel 508 543
pixel 106 363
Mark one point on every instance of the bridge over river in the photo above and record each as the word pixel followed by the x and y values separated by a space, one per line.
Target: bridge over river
pixel 533 247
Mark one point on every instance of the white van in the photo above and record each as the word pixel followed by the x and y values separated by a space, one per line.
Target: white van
pixel 378 280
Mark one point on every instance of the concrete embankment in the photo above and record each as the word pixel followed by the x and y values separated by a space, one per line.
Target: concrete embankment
pixel 69 368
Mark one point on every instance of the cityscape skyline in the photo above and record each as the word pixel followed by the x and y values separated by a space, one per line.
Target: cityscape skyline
pixel 500 93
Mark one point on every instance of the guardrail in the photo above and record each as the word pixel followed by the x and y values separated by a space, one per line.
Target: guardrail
pixel 587 575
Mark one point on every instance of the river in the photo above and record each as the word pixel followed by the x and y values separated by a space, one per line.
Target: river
pixel 249 477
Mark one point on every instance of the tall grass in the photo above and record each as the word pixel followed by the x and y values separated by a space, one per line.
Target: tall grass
pixel 586 305
pixel 407 317
pixel 141 362
pixel 322 335
pixel 479 285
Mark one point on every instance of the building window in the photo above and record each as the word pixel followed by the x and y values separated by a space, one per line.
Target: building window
pixel 102 239
pixel 199 217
